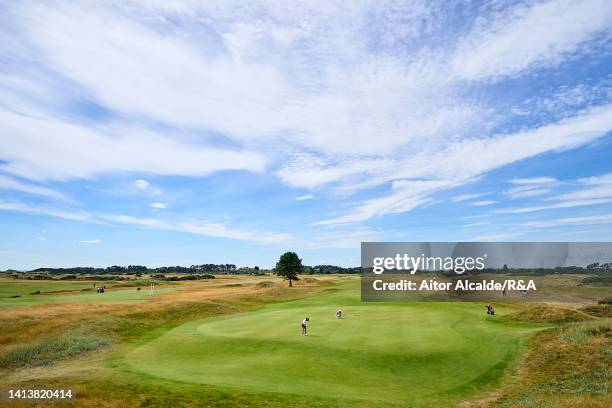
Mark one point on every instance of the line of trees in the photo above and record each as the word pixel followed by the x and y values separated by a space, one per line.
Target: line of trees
pixel 231 269
pixel 141 269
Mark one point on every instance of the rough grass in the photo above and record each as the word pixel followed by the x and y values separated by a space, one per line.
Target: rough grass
pixel 568 366
pixel 549 314
pixel 66 330
pixel 47 351
pixel 600 310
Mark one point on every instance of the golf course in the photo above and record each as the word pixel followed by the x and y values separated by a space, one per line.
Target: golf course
pixel 387 353
pixel 237 341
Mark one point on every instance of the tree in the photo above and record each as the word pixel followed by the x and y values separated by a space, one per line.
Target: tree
pixel 288 266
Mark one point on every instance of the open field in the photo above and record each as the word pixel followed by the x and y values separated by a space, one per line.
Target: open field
pixel 235 341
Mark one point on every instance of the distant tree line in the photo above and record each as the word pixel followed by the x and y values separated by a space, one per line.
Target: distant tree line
pixel 329 269
pixel 141 269
pixel 114 272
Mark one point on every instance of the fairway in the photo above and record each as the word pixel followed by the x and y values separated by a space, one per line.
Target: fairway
pixel 418 353
pixel 22 294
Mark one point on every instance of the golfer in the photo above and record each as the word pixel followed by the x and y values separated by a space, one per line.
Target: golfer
pixel 305 326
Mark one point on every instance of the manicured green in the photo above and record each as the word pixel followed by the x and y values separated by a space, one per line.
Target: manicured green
pixel 409 354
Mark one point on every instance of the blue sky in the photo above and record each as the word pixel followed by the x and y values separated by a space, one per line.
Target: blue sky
pixel 198 132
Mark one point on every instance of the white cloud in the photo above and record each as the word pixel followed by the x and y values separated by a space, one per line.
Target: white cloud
pixel 158 206
pixel 465 197
pixel 593 191
pixel 599 187
pixel 522 37
pixel 184 82
pixel 76 151
pixel 315 87
pixel 565 204
pixel 535 192
pixel 141 184
pixel 496 236
pixel 199 227
pixel 406 195
pixel 42 238
pixel 531 187
pixel 565 100
pixel 534 180
pixel 482 203
pixel 454 162
pixel 305 197
pixel 477 224
pixel 192 226
pixel 68 215
pixel 583 220
pixel 88 241
pixel 10 183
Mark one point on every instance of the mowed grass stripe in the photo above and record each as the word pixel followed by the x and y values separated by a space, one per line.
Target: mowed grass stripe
pixel 382 353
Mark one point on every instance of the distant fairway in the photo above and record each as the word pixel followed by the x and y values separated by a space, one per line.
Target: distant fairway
pixel 418 353
pixel 21 294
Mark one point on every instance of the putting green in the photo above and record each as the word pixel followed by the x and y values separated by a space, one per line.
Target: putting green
pixel 379 353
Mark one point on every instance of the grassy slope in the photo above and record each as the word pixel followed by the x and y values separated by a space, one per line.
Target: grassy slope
pixel 422 353
pixel 565 367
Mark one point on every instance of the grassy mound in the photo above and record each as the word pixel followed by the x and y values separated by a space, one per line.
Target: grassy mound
pixel 600 310
pixel 549 314
pixel 566 367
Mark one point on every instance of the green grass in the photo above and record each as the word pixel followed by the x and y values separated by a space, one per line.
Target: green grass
pixel 22 293
pixel 410 354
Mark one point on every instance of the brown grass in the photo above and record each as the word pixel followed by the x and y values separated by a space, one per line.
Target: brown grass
pixel 549 314
pixel 566 367
pixel 29 325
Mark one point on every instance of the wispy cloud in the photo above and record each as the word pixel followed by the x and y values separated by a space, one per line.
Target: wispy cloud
pixel 477 224
pixel 594 190
pixel 194 226
pixel 564 204
pixel 305 197
pixel 384 106
pixel 560 222
pixel 141 184
pixel 158 206
pixel 497 236
pixel 531 187
pixel 10 183
pixel 465 197
pixel 526 192
pixel 77 151
pixel 492 153
pixel 534 180
pixel 482 203
pixel 35 209
pixel 88 241
pixel 548 33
